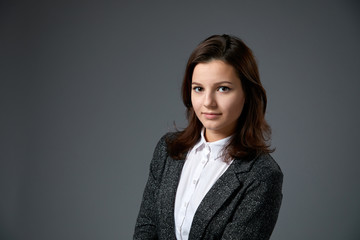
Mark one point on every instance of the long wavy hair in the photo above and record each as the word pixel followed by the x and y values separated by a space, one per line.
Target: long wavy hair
pixel 252 132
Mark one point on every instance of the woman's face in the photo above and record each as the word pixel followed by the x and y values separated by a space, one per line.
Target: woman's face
pixel 217 98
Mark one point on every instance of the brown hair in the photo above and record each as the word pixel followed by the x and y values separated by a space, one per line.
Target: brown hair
pixel 252 131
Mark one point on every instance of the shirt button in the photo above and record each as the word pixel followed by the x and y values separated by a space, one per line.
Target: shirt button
pixel 194 181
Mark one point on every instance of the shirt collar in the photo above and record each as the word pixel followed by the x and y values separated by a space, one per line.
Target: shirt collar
pixel 216 148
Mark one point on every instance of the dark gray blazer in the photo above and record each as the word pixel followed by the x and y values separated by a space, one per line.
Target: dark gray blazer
pixel 242 204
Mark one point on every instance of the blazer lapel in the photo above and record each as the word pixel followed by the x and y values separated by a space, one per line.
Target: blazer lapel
pixel 217 195
pixel 167 196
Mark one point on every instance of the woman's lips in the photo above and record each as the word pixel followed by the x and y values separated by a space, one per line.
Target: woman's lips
pixel 211 115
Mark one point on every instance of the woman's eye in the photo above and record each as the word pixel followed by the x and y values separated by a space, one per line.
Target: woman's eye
pixel 223 89
pixel 197 89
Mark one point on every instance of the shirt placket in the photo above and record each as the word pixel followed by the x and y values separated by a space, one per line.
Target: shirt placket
pixel 186 223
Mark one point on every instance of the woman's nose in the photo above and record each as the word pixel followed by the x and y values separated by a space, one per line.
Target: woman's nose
pixel 209 100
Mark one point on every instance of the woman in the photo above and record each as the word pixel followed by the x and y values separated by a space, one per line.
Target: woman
pixel 215 179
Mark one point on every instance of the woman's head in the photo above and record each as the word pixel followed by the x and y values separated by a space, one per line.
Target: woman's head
pixel 249 129
pixel 217 98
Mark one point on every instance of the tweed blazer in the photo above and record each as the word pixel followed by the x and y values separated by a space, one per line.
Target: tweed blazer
pixel 242 204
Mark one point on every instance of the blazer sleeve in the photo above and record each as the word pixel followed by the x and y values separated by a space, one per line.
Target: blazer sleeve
pixel 257 213
pixel 146 224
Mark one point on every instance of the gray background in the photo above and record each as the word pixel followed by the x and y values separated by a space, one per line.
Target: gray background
pixel 87 89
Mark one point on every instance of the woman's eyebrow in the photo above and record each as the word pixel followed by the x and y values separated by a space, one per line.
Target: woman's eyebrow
pixel 228 82
pixel 195 83
pixel 217 83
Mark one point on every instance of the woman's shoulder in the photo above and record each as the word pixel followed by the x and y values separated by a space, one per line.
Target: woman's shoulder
pixel 161 149
pixel 264 167
pixel 165 139
pixel 160 155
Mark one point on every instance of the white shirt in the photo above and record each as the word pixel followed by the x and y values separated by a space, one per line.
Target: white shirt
pixel 203 166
